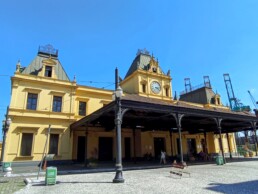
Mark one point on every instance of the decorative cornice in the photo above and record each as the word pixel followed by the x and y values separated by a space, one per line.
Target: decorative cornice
pixel 49 61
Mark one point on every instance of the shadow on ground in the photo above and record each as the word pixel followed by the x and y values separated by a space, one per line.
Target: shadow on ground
pixel 242 187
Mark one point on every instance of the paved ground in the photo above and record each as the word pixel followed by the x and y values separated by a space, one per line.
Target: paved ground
pixel 10 185
pixel 237 177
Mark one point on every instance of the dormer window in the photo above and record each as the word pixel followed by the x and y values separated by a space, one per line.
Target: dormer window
pixel 48 71
pixel 216 100
pixel 154 69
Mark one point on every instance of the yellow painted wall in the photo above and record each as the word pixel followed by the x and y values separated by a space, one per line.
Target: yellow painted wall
pixel 130 84
pixel 37 121
pixel 95 99
pixel 212 142
pixel 93 141
pixel 1 144
pixel 147 139
pixel 39 128
pixel 133 84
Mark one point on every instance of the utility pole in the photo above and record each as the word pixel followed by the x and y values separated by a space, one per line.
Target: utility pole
pixel 44 152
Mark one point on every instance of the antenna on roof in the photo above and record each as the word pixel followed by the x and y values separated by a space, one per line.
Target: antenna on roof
pixel 188 86
pixel 207 82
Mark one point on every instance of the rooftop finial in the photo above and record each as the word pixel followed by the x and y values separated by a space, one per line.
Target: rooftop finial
pixel 74 78
pixel 18 66
pixel 143 51
pixel 168 73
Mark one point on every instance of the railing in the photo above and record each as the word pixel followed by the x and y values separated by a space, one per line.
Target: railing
pixel 195 88
pixel 48 49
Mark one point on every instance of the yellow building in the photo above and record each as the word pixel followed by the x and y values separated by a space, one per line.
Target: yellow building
pixel 81 118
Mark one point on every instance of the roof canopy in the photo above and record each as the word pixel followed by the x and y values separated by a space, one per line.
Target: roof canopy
pixel 152 114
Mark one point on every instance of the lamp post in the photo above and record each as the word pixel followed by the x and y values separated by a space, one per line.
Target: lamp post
pixel 118 121
pixel 6 124
pixel 171 146
pixel 255 141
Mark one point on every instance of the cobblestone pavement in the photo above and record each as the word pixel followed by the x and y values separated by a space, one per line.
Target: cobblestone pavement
pixel 235 178
pixel 11 184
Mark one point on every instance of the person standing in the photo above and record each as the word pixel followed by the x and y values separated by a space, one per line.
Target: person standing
pixel 163 157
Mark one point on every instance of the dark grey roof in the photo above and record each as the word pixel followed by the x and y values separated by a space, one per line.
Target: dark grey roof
pixel 141 110
pixel 141 61
pixel 202 95
pixel 36 66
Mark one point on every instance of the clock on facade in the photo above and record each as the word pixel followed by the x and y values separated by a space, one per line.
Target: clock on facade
pixel 155 87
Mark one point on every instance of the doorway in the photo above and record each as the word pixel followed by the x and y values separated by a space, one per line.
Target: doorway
pixel 127 148
pixel 191 146
pixel 81 149
pixel 159 144
pixel 105 148
pixel 204 148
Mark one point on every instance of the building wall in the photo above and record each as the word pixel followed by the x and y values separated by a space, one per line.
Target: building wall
pixel 94 98
pixel 133 84
pixel 130 85
pixel 1 144
pixel 37 121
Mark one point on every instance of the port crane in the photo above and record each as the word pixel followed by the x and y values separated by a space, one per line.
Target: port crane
pixel 235 104
pixel 254 102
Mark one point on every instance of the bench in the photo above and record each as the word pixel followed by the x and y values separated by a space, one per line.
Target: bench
pixel 179 169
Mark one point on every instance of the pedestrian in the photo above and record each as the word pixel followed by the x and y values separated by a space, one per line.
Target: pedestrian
pixel 163 157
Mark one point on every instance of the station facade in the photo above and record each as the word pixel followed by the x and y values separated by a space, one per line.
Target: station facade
pixel 43 97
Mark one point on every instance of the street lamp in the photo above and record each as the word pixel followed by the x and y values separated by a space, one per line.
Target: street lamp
pixel 253 133
pixel 5 127
pixel 118 121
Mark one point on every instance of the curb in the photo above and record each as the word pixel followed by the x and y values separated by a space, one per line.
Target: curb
pixel 67 172
pixel 29 181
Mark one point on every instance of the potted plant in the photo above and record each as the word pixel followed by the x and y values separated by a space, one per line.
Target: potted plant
pixel 246 154
pixel 251 154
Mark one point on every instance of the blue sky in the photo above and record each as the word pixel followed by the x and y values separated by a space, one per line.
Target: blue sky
pixel 191 38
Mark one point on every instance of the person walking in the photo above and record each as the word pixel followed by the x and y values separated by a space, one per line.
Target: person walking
pixel 163 157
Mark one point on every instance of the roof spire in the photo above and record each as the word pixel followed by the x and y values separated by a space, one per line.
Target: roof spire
pixel 168 73
pixel 18 66
pixel 175 97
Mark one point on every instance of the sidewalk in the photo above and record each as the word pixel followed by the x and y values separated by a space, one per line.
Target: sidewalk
pixel 20 173
pixel 234 177
pixel 110 167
